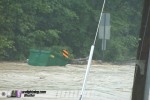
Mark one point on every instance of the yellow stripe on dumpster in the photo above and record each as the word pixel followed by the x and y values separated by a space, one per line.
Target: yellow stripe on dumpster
pixel 65 53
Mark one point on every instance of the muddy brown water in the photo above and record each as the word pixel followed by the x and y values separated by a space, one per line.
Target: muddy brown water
pixel 105 82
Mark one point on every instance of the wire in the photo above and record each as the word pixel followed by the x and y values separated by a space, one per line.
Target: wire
pixel 99 22
pixel 90 57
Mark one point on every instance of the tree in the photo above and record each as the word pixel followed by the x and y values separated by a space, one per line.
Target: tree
pixel 27 24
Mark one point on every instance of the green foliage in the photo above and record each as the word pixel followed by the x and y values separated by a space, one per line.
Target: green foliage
pixel 67 24
pixel 4 45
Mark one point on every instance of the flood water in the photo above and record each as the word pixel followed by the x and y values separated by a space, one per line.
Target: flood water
pixel 105 81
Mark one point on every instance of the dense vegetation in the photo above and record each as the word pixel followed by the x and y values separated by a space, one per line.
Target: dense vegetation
pixel 70 24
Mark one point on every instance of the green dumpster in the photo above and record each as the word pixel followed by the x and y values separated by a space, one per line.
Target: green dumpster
pixel 57 60
pixel 46 58
pixel 39 57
